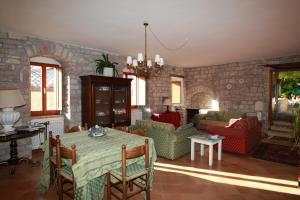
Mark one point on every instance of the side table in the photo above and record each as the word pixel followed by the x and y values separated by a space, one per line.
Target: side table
pixel 205 139
pixel 13 136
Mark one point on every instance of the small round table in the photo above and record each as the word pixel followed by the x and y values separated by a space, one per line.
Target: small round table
pixel 13 136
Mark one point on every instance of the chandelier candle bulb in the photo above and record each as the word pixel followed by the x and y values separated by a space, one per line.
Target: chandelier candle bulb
pixel 149 63
pixel 129 60
pixel 157 58
pixel 140 57
pixel 161 62
pixel 134 63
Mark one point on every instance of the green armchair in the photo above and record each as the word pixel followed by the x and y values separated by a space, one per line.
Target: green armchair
pixel 169 142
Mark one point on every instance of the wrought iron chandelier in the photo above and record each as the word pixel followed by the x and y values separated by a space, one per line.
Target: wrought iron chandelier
pixel 142 65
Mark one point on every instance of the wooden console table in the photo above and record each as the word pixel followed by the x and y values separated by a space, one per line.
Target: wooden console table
pixel 19 133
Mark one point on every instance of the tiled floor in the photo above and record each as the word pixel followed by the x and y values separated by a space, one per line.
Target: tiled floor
pixel 235 177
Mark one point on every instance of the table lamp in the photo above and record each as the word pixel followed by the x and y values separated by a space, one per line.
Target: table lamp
pixel 167 102
pixel 9 98
pixel 259 107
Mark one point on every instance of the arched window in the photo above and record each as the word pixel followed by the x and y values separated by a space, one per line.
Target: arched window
pixel 46 86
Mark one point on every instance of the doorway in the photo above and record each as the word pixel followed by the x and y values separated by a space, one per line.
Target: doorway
pixel 284 101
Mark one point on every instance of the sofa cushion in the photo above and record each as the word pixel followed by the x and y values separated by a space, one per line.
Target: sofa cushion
pixel 211 115
pixel 144 123
pixel 232 123
pixel 184 127
pixel 241 124
pixel 228 115
pixel 202 124
pixel 227 132
pixel 252 122
pixel 220 115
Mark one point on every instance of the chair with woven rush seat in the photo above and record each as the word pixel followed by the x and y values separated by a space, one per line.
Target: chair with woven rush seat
pixel 52 157
pixel 139 132
pixel 135 174
pixel 64 172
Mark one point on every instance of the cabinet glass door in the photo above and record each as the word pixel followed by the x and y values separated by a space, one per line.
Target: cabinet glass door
pixel 102 105
pixel 120 107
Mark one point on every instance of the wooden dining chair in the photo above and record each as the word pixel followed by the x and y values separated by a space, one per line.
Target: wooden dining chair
pixel 52 157
pixel 64 171
pixel 135 174
pixel 77 128
pixel 139 132
pixel 120 128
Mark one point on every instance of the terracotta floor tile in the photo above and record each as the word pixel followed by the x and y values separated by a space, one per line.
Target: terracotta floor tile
pixel 170 185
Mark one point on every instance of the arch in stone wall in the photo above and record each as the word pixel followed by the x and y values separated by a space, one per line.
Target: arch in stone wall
pixel 200 97
pixel 59 53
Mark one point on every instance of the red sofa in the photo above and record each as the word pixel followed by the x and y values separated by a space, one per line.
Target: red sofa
pixel 241 137
pixel 167 117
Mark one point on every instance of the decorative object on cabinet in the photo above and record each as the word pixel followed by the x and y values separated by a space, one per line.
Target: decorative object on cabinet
pixel 105 101
pixel 9 99
pixel 105 67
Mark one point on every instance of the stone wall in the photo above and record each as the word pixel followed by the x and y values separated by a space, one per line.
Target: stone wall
pixel 15 53
pixel 159 87
pixel 236 86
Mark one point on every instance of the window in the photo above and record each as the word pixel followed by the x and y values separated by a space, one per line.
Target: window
pixel 177 90
pixel 46 89
pixel 138 89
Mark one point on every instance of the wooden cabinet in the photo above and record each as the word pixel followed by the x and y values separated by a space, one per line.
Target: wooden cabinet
pixel 105 100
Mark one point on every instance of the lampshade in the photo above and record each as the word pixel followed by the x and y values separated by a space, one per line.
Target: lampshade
pixel 10 98
pixel 259 106
pixel 134 63
pixel 129 60
pixel 167 102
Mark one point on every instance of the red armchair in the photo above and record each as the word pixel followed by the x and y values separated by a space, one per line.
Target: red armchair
pixel 167 117
pixel 241 137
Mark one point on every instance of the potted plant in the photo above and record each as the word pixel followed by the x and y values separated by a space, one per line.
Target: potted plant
pixel 105 67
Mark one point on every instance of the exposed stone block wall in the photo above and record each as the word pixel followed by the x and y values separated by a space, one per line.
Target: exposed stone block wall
pixel 15 53
pixel 237 86
pixel 159 87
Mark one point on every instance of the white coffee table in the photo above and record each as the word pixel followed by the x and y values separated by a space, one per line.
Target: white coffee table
pixel 205 139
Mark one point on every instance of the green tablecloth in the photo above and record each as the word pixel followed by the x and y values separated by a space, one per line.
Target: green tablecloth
pixel 95 157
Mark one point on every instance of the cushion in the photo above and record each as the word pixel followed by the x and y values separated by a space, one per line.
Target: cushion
pixel 241 124
pixel 202 124
pixel 252 122
pixel 132 171
pixel 67 172
pixel 232 123
pixel 228 115
pixel 211 115
pixel 184 127
pixel 220 115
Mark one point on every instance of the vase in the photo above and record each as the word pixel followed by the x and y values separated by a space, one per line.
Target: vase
pixel 108 71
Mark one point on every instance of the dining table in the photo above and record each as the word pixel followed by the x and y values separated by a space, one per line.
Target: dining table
pixel 95 157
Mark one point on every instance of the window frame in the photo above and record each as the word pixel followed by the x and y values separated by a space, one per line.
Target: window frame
pixel 180 79
pixel 126 74
pixel 44 110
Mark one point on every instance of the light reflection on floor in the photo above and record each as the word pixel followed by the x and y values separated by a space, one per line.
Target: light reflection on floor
pixel 257 182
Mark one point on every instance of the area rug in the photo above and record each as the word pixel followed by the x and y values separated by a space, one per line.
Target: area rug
pixel 277 153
